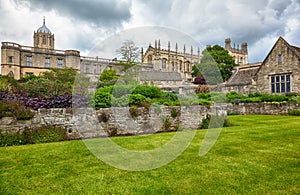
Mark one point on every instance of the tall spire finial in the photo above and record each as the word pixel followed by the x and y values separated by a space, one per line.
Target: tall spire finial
pixel 44 21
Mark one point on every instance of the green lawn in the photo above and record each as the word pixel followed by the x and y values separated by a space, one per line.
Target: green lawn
pixel 260 155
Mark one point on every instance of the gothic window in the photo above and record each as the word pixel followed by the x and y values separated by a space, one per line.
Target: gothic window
pixel 47 62
pixel 173 67
pixel 187 68
pixel 180 65
pixel 150 59
pixel 59 63
pixel 11 74
pixel 280 58
pixel 281 83
pixel 28 60
pixel 164 63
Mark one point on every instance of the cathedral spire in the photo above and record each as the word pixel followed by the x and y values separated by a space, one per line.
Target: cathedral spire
pixel 44 21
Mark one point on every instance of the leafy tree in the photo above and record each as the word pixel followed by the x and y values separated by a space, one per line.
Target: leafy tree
pixel 66 75
pixel 108 75
pixel 129 52
pixel 213 57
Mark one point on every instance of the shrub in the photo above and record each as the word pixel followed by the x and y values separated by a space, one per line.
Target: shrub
pixel 234 97
pixel 136 99
pixel 219 121
pixel 174 112
pixel 123 101
pixel 167 124
pixel 120 90
pixel 102 100
pixel 169 96
pixel 148 91
pixel 134 111
pixel 103 117
pixel 39 135
pixel 294 112
pixel 15 109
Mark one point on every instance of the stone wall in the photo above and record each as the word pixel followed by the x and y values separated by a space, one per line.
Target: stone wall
pixel 86 123
pixel 261 108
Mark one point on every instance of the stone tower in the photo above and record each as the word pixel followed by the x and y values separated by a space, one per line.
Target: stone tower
pixel 43 38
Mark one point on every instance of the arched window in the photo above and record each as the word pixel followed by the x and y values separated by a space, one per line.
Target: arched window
pixel 150 59
pixel 173 67
pixel 187 66
pixel 180 65
pixel 11 74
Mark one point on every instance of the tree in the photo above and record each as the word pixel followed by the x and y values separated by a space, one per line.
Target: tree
pixel 129 52
pixel 215 56
pixel 108 77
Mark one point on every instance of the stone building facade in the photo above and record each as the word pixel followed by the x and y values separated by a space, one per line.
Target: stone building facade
pixel 167 60
pixel 18 60
pixel 279 73
pixel 240 55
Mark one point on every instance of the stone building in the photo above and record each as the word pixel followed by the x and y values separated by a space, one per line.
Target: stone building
pixel 240 55
pixel 167 60
pixel 278 73
pixel 18 60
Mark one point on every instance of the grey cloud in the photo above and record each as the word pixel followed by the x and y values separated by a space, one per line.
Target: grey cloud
pixel 98 12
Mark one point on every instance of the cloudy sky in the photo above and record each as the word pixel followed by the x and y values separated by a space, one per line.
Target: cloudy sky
pixel 79 24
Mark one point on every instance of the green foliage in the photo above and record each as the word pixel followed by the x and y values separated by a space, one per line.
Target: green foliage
pixel 108 75
pixel 234 97
pixel 120 90
pixel 174 112
pixel 148 91
pixel 30 77
pixel 102 100
pixel 45 88
pixel 245 160
pixel 215 122
pixel 169 96
pixel 123 101
pixel 294 112
pixel 134 111
pixel 215 61
pixel 167 124
pixel 16 110
pixel 65 75
pixel 136 99
pixel 8 84
pixel 43 134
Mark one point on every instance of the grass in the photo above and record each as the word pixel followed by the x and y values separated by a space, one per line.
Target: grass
pixel 260 155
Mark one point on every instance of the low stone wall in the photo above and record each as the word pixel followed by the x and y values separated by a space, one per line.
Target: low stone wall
pixel 86 123
pixel 261 108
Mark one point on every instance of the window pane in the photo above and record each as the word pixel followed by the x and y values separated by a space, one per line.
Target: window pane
pixel 288 87
pixel 288 78
pixel 277 88
pixel 282 79
pixel 277 79
pixel 272 79
pixel 282 87
pixel 273 88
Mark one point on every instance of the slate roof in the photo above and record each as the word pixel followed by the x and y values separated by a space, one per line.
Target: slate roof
pixel 160 76
pixel 244 74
